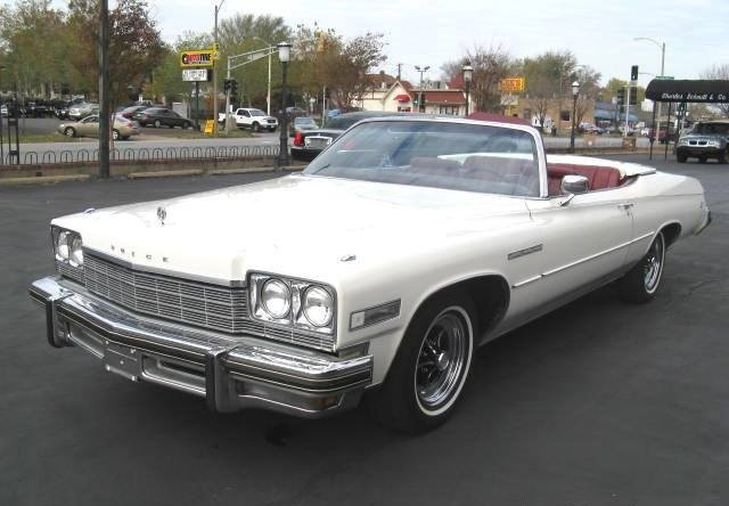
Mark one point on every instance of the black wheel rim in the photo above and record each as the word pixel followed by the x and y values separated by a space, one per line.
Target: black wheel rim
pixel 653 265
pixel 442 360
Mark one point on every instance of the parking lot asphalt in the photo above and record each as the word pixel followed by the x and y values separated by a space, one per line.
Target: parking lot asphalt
pixel 598 403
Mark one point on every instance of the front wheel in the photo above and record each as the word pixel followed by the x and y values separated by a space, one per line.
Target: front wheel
pixel 115 135
pixel 426 378
pixel 680 158
pixel 69 132
pixel 722 157
pixel 157 123
pixel 255 127
pixel 641 283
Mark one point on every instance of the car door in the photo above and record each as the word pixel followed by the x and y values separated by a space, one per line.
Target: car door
pixel 89 126
pixel 584 240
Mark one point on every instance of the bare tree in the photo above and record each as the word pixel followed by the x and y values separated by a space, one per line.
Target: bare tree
pixel 490 66
pixel 718 72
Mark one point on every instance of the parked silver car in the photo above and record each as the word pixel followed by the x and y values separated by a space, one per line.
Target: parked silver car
pixel 89 127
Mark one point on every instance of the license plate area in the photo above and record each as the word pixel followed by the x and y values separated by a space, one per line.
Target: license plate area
pixel 123 361
pixel 318 142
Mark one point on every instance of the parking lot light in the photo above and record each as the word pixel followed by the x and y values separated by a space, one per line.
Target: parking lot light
pixel 284 54
pixel 467 78
pixel 575 94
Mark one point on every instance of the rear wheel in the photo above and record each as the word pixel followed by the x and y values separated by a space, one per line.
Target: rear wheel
pixel 702 159
pixel 115 134
pixel 431 366
pixel 641 283
pixel 722 157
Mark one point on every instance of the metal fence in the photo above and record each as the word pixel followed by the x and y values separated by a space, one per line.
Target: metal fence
pixel 142 154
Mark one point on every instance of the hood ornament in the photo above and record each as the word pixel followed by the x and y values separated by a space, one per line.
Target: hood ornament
pixel 161 215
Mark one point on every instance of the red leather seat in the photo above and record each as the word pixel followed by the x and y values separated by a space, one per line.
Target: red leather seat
pixel 598 176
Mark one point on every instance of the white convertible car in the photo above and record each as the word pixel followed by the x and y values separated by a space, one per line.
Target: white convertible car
pixel 378 270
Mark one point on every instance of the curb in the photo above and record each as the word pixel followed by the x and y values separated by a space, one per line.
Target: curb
pixel 16 181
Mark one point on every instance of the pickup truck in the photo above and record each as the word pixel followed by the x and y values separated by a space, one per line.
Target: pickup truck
pixel 252 118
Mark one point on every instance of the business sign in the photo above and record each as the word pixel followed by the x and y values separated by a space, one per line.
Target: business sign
pixel 195 75
pixel 198 58
pixel 512 85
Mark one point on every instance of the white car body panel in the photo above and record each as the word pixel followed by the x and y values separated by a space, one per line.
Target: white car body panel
pixel 409 241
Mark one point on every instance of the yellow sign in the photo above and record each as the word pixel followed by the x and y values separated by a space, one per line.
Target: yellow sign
pixel 197 58
pixel 512 85
pixel 209 127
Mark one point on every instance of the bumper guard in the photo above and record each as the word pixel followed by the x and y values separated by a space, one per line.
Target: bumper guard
pixel 231 372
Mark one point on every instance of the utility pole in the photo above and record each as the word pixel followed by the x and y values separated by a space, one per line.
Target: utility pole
pixel 104 103
pixel 215 65
pixel 399 71
pixel 422 71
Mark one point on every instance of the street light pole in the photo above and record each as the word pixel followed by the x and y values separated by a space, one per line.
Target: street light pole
pixel 284 53
pixel 575 94
pixel 422 71
pixel 467 77
pixel 268 90
pixel 662 47
pixel 215 65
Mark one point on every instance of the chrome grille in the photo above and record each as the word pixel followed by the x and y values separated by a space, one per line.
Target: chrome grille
pixel 185 301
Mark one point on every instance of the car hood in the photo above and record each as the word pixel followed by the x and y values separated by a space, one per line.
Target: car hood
pixel 694 135
pixel 296 225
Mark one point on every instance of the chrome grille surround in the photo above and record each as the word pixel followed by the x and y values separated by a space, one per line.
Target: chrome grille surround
pixel 220 308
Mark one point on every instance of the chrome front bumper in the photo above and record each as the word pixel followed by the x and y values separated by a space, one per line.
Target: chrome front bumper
pixel 231 372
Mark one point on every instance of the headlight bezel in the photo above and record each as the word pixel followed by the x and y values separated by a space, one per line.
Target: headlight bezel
pixel 295 317
pixel 68 264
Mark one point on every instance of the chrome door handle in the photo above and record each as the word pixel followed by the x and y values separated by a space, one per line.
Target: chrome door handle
pixel 625 205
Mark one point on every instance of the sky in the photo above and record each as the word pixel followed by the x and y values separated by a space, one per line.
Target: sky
pixel 424 32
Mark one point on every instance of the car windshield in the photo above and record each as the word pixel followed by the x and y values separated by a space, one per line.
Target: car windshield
pixel 343 122
pixel 304 121
pixel 459 156
pixel 712 128
pixel 257 112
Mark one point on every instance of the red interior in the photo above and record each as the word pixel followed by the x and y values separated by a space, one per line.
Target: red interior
pixel 599 177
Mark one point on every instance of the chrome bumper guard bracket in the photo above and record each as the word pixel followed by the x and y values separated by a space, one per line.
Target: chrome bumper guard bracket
pixel 49 293
pixel 231 372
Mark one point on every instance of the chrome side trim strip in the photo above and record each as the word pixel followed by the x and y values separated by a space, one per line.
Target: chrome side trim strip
pixel 527 281
pixel 235 283
pixel 596 255
pixel 526 251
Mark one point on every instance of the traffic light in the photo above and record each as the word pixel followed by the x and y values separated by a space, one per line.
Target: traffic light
pixel 634 73
pixel 226 85
pixel 621 96
pixel 233 87
pixel 633 96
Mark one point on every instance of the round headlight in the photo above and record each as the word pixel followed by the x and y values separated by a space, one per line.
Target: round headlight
pixel 276 298
pixel 318 306
pixel 76 258
pixel 63 249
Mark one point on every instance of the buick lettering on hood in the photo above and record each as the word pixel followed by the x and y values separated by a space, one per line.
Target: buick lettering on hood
pixel 376 272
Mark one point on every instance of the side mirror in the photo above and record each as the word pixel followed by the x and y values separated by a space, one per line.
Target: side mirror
pixel 574 184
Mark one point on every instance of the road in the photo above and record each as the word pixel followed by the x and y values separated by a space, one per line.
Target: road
pixel 599 403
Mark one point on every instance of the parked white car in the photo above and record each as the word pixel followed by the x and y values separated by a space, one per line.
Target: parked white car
pixel 406 244
pixel 255 119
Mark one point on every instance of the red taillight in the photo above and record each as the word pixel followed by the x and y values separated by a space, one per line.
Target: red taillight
pixel 298 139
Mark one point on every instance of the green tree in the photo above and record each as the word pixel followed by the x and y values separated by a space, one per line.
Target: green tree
pixel 325 59
pixel 34 66
pixel 135 45
pixel 548 81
